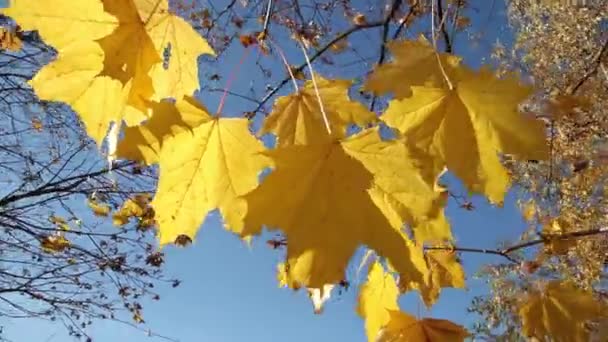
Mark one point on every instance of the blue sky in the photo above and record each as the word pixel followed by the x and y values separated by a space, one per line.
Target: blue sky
pixel 229 291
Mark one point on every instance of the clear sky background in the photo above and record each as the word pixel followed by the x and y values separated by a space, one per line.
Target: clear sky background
pixel 229 291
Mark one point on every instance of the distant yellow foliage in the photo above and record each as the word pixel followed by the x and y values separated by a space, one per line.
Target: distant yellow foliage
pixel 558 311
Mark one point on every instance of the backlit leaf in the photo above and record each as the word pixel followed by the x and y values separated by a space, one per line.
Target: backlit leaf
pixel 329 212
pixel 415 64
pixel 378 295
pixel 403 327
pixel 445 271
pixel 154 47
pixel 144 143
pixel 466 128
pixel 297 119
pixel 72 79
pixel 202 168
pixel 559 312
pixel 62 22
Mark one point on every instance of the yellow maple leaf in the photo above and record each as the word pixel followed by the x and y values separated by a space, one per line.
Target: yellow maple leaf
pixel 403 327
pixel 73 79
pixel 329 212
pixel 558 312
pixel 154 47
pixel 201 168
pixel 318 296
pixel 445 271
pixel 283 277
pixel 377 296
pixel 62 23
pixel 298 118
pixel 412 199
pixel 143 143
pixel 138 206
pixel 466 128
pixel 144 51
pixel 415 64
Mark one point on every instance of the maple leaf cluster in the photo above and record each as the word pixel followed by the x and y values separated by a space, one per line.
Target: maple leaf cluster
pixel 329 192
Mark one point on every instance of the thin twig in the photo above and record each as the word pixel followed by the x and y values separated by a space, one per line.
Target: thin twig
pixel 385 29
pixel 597 61
pixel 264 33
pixel 434 39
pixel 405 20
pixel 313 57
pixel 474 250
pixel 442 19
pixel 506 253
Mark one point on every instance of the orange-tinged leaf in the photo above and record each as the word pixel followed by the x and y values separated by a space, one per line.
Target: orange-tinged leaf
pixel 54 243
pixel 329 212
pixel 378 295
pixel 403 327
pixel 202 168
pixel 359 19
pixel 562 106
pixel 62 22
pixel 9 40
pixel 415 64
pixel 138 206
pixel 466 128
pixel 558 312
pixel 297 119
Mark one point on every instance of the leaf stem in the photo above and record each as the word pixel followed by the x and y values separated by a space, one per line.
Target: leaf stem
pixel 434 40
pixel 317 54
pixel 314 83
pixel 286 63
pixel 231 79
